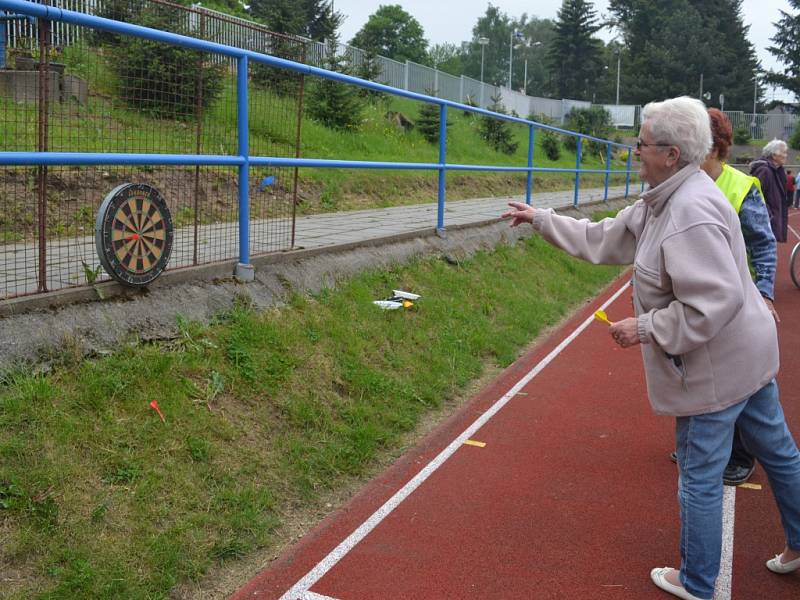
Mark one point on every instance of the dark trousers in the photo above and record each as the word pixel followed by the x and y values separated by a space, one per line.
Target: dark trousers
pixel 740 457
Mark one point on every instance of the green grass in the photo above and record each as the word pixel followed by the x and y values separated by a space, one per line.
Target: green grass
pixel 105 124
pixel 265 413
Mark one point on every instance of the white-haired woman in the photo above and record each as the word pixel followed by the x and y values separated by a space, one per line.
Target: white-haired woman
pixel 695 304
pixel 769 170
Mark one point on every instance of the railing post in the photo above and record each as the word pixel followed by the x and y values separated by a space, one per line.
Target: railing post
pixel 608 171
pixel 461 89
pixel 244 270
pixel 408 68
pixel 628 171
pixel 577 172
pixel 442 160
pixel 529 185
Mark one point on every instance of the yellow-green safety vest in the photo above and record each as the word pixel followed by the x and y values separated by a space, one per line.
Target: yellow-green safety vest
pixel 736 185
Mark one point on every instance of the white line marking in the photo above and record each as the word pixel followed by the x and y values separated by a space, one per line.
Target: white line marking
pixel 722 591
pixel 326 564
pixel 312 596
pixel 797 235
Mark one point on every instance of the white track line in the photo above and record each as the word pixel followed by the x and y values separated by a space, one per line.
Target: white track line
pixel 722 591
pixel 312 596
pixel 302 587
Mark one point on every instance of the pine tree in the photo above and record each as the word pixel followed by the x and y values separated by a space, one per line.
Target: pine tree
pixel 787 50
pixel 497 132
pixel 575 55
pixel 335 105
pixel 428 120
pixel 370 70
pixel 670 43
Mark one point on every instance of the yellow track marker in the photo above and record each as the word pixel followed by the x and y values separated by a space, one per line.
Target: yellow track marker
pixel 750 486
pixel 474 443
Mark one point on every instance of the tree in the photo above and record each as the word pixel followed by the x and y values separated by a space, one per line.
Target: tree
pixel 497 132
pixel 370 69
pixel 497 28
pixel 446 57
pixel 335 105
pixel 392 32
pixel 670 43
pixel 575 55
pixel 313 19
pixel 787 51
pixel 155 77
pixel 429 118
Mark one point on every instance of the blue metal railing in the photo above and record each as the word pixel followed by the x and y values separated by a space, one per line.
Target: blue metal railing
pixel 244 161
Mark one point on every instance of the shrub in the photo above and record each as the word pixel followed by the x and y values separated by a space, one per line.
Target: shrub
pixel 794 139
pixel 496 131
pixel 159 78
pixel 551 145
pixel 282 82
pixel 741 135
pixel 335 105
pixel 594 121
pixel 428 120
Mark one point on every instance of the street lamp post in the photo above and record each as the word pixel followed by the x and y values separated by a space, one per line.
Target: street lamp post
pixel 618 57
pixel 512 35
pixel 482 41
pixel 525 76
pixel 755 97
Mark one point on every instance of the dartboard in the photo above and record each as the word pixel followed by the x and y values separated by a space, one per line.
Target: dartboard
pixel 133 234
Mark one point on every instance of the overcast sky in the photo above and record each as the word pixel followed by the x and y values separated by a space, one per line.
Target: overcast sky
pixel 452 21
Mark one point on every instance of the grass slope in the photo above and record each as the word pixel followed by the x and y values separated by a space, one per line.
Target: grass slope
pixel 264 413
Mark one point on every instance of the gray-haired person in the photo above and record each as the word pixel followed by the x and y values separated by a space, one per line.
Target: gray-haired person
pixel 769 170
pixel 695 303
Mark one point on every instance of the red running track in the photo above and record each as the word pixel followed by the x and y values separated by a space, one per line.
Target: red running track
pixel 572 496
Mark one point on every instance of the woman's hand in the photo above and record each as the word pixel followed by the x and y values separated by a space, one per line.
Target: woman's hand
pixel 625 332
pixel 519 213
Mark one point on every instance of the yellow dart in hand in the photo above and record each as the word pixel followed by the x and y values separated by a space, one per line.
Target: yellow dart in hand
pixel 600 315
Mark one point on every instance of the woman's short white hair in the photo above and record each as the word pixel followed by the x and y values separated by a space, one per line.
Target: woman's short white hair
pixel 775 147
pixel 681 122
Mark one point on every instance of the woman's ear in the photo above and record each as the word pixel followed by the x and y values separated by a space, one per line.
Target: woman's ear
pixel 673 155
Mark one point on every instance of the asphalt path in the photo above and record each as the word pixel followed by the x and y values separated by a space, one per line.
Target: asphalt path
pixel 553 482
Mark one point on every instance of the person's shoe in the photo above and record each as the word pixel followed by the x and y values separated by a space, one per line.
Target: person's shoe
pixel 674 457
pixel 776 566
pixel 737 474
pixel 659 577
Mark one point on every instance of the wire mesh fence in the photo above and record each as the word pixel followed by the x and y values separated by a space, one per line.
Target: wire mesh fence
pixel 76 89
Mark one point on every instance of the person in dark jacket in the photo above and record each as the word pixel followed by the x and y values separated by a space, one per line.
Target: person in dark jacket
pixel 769 170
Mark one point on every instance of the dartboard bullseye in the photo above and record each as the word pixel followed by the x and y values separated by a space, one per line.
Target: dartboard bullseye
pixel 134 234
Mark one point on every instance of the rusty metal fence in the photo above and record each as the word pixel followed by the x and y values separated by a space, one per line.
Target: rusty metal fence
pixel 67 88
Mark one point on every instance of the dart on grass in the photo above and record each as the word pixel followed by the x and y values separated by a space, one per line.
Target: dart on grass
pixel 155 407
pixel 600 315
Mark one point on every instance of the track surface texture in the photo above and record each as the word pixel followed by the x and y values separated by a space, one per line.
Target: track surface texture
pixel 573 495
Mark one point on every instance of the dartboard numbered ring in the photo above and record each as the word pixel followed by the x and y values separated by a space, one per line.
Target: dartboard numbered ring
pixel 134 234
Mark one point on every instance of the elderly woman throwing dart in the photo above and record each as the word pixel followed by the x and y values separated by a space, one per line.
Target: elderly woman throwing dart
pixel 708 340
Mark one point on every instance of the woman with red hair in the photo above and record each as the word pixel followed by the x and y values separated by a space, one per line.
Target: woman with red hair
pixel 744 194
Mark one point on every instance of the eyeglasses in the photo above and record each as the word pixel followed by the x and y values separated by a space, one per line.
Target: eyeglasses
pixel 640 144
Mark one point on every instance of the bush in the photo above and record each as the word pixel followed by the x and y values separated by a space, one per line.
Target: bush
pixel 159 78
pixel 496 131
pixel 335 105
pixel 794 139
pixel 428 120
pixel 741 135
pixel 594 121
pixel 282 82
pixel 551 145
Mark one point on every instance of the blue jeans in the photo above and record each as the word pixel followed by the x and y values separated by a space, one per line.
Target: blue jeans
pixel 703 444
